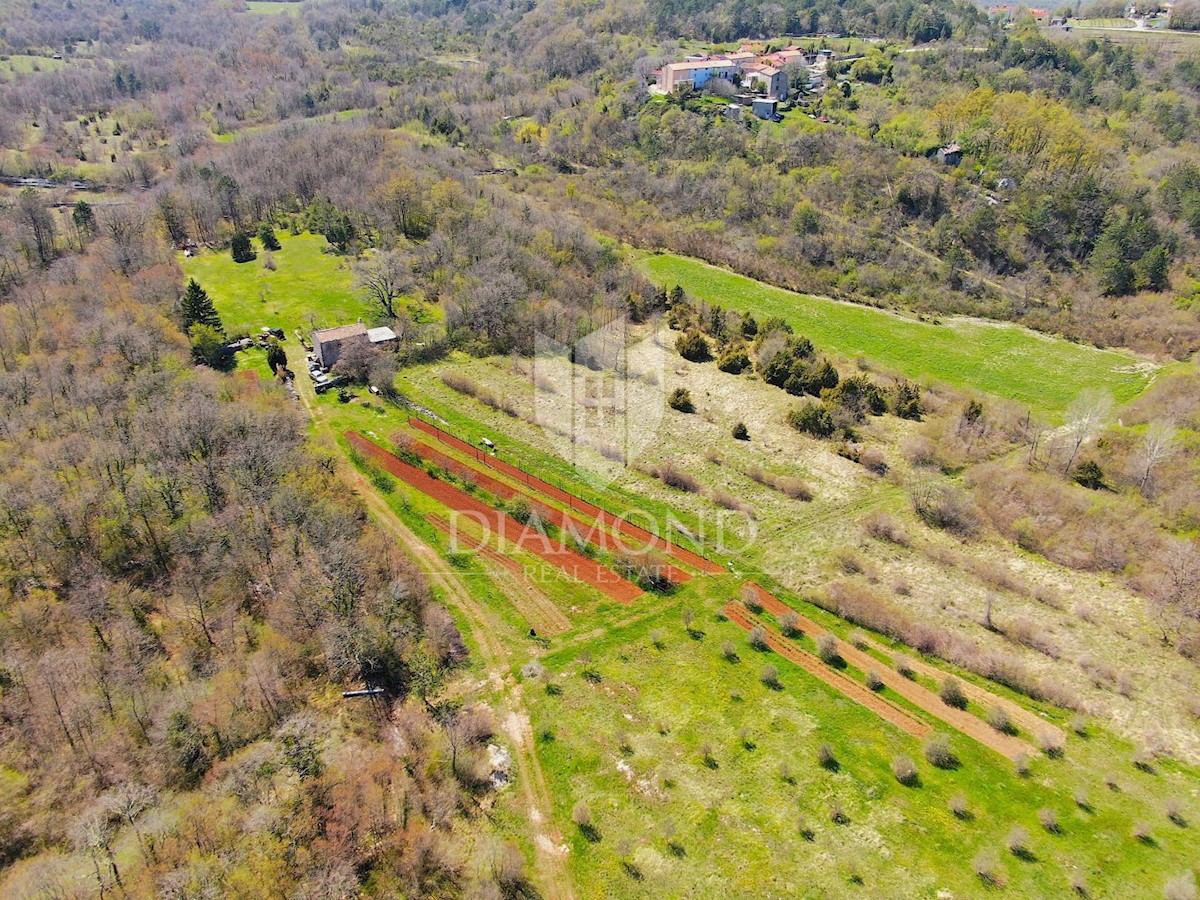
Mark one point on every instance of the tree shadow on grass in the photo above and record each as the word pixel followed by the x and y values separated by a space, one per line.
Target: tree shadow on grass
pixel 591 833
pixel 632 870
pixel 696 634
pixel 677 850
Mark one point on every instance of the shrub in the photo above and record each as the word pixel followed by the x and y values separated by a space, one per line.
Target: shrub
pixel 939 752
pixel 693 346
pixel 806 831
pixel 758 638
pixel 837 815
pixel 998 718
pixel 681 399
pixel 813 419
pixel 1052 743
pixel 952 694
pixel 1141 832
pixel 1081 799
pixel 874 682
pixel 678 479
pixel 789 624
pixel 905 770
pixel 946 507
pixel 1049 820
pixel 884 526
pixel 826 757
pixel 769 676
pixel 827 649
pixel 728 651
pixel 1021 764
pixel 706 756
pixel 1175 812
pixel 1078 884
pixel 728 501
pixel 958 806
pixel 741 432
pixel 581 815
pixel 1181 887
pixel 987 867
pixel 1017 841
pixel 734 360
pixel 903 666
pixel 656 638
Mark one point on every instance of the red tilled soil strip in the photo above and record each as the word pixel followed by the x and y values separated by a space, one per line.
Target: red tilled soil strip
pixel 575 564
pixel 961 720
pixel 1020 716
pixel 606 519
pixel 585 532
pixel 839 682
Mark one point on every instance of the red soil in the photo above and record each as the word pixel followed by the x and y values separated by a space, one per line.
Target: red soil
pixel 839 682
pixel 608 520
pixel 919 696
pixel 507 528
pixel 584 532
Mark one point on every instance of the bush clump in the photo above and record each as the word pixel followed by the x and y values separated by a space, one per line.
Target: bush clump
pixel 905 770
pixel 681 399
pixel 693 346
pixel 741 432
pixel 813 419
pixel 952 694
pixel 939 752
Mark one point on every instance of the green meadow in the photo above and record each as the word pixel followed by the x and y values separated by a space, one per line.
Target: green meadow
pixel 1041 372
pixel 308 288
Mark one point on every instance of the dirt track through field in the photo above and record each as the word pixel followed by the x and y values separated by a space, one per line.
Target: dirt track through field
pixel 608 520
pixel 860 694
pixel 925 699
pixel 524 594
pixel 507 528
pixel 584 532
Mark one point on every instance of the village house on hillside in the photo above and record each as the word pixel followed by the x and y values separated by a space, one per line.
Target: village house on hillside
pixel 752 69
pixel 330 344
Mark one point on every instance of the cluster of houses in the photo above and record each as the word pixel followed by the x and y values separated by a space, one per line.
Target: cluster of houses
pixel 759 74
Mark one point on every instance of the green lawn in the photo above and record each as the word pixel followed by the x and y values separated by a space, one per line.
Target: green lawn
pixel 273 7
pixel 1012 362
pixel 21 64
pixel 307 288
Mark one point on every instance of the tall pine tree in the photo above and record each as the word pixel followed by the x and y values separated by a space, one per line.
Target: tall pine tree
pixel 198 309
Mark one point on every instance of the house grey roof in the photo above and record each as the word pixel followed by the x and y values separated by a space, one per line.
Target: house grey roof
pixel 382 333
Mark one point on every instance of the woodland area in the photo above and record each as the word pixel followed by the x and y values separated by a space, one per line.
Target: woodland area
pixel 186 584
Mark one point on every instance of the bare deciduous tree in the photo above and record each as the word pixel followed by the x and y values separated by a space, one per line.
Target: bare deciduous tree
pixel 383 279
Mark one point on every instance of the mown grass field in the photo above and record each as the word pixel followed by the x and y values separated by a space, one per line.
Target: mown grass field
pixel 22 64
pixel 1043 373
pixel 273 7
pixel 308 288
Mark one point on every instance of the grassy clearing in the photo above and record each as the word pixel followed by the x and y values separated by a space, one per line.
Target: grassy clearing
pixel 1007 361
pixel 308 288
pixel 631 745
pixel 273 7
pixel 23 64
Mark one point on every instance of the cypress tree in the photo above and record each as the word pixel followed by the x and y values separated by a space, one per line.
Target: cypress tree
pixel 198 309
